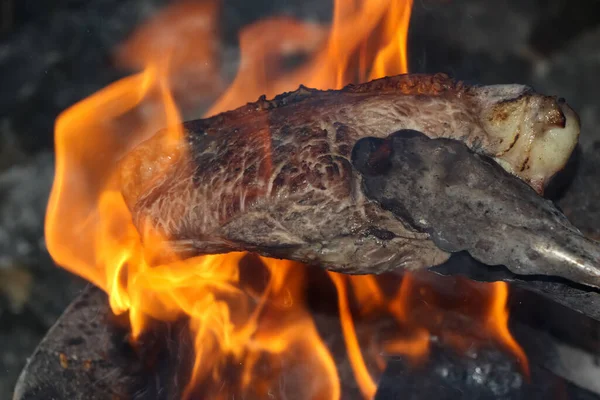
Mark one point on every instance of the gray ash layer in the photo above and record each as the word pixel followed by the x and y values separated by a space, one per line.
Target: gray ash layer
pixel 63 52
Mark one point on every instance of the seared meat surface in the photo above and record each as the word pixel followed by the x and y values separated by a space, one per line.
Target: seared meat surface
pixel 275 176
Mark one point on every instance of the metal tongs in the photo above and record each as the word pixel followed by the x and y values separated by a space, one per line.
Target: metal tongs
pixel 468 203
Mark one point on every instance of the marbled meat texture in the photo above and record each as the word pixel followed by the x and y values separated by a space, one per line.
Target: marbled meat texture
pixel 275 176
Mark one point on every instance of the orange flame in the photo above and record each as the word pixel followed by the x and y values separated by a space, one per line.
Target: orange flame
pixel 336 59
pixel 89 230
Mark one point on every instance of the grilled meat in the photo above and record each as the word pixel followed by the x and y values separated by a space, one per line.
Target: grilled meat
pixel 275 176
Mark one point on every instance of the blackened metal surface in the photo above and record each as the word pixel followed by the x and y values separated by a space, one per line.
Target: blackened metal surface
pixel 576 297
pixel 85 356
pixel 82 357
pixel 568 358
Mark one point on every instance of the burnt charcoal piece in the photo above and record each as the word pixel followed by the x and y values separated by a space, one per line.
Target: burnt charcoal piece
pixel 490 375
pixel 467 202
pixel 447 375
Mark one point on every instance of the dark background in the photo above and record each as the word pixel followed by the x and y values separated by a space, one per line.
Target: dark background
pixel 54 53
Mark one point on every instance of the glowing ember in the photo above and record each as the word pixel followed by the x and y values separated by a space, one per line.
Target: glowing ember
pixel 89 230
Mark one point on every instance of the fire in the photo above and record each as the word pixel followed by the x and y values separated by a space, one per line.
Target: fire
pixel 338 56
pixel 234 322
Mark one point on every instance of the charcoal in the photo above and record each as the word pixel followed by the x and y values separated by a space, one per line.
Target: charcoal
pixel 490 374
pixel 87 354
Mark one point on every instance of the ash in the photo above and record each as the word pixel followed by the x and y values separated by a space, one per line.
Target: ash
pixel 55 53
